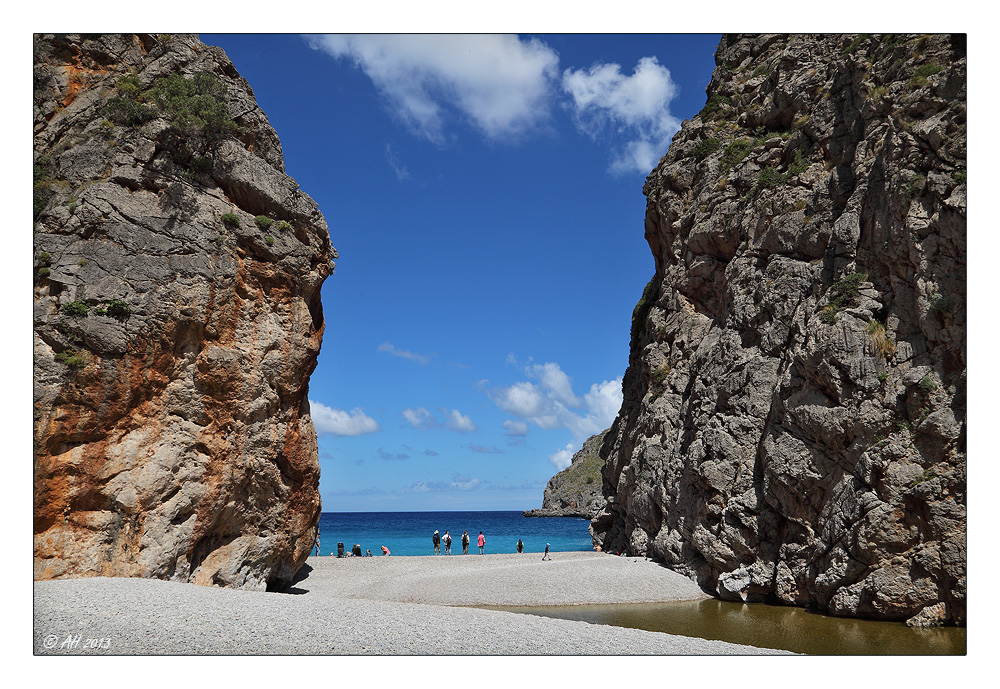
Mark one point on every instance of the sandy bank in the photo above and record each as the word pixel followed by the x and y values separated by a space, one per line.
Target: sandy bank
pixel 567 579
pixel 370 606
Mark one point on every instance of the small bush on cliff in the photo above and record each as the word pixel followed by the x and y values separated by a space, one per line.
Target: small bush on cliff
pixel 118 310
pixel 75 308
pixel 734 153
pixel 263 222
pixel 706 148
pixel 855 43
pixel 658 381
pixel 42 186
pixel 927 384
pixel 940 302
pixel 196 106
pixel 769 177
pixel 231 219
pixel 715 104
pixel 269 240
pixel 883 345
pixel 73 358
pixel 127 107
pixel 841 295
pixel 282 226
pixel 847 289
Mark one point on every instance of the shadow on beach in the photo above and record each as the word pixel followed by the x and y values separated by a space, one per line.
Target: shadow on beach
pixel 301 575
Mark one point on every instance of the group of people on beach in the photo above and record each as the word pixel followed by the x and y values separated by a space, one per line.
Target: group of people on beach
pixel 438 540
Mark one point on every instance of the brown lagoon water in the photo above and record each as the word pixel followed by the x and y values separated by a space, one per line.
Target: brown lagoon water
pixel 767 626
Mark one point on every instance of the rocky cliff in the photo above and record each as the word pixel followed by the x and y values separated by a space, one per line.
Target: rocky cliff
pixel 575 491
pixel 177 319
pixel 794 419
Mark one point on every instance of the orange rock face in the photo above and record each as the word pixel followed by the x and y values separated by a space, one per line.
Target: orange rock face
pixel 172 348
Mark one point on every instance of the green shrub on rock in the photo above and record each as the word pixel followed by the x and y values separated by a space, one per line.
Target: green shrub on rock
pixel 75 308
pixel 263 222
pixel 72 357
pixel 118 310
pixel 707 147
pixel 231 219
pixel 196 106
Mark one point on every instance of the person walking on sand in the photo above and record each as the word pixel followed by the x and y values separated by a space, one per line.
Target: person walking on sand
pixel 385 551
pixel 482 542
pixel 520 546
pixel 546 555
pixel 317 542
pixel 437 543
pixel 465 543
pixel 447 543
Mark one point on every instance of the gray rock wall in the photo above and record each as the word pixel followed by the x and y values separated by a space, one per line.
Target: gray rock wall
pixel 172 347
pixel 793 424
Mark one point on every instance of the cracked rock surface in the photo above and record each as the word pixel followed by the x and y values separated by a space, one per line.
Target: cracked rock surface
pixel 174 334
pixel 794 419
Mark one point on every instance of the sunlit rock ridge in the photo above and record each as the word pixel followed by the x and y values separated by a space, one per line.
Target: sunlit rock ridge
pixel 793 427
pixel 576 490
pixel 177 320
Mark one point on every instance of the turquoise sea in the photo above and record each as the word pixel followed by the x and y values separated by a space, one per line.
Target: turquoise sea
pixel 409 533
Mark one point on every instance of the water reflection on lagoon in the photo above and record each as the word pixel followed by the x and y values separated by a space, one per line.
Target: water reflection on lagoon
pixel 767 626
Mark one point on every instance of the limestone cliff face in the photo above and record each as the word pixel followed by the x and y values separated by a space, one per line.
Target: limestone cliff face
pixel 174 334
pixel 793 424
pixel 575 491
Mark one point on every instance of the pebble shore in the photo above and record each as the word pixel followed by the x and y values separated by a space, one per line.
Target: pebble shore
pixel 372 606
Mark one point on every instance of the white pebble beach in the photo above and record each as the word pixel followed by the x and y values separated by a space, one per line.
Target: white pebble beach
pixel 373 606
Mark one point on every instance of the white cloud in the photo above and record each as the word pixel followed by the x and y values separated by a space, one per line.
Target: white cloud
pixel 635 106
pixel 465 483
pixel 458 482
pixel 457 421
pixel 551 403
pixel 482 449
pixel 419 417
pixel 515 429
pixel 563 458
pixel 454 420
pixel 498 83
pixel 401 172
pixel 339 422
pixel 405 354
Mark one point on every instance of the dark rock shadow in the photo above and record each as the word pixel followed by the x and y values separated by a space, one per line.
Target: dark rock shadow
pixel 301 575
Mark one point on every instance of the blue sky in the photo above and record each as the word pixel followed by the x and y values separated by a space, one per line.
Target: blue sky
pixel 485 196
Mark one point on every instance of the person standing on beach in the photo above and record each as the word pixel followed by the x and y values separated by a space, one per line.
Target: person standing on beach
pixel 546 555
pixel 317 541
pixel 385 551
pixel 482 542
pixel 520 546
pixel 465 543
pixel 437 543
pixel 447 543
